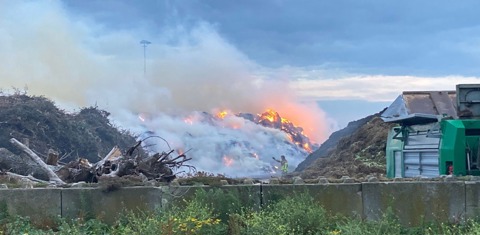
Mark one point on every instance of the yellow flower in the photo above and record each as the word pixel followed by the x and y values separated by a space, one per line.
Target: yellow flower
pixel 335 232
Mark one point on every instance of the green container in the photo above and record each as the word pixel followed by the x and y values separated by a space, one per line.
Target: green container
pixel 459 147
pixel 394 146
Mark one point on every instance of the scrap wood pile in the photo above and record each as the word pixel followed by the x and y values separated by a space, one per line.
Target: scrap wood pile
pixel 157 167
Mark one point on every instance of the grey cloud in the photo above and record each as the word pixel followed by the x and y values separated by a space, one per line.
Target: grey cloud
pixel 389 37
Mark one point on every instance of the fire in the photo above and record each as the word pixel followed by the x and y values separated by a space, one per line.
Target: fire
pixel 306 146
pixel 295 135
pixel 269 115
pixel 285 121
pixel 222 114
pixel 270 118
pixel 227 161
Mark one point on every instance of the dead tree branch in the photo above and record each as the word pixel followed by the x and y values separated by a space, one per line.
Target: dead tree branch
pixel 51 175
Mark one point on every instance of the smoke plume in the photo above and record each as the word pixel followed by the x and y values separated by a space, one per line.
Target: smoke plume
pixel 78 62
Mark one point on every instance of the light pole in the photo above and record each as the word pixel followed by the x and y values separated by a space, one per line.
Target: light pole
pixel 145 44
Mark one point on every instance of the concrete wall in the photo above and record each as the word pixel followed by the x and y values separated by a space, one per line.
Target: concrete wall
pixel 249 195
pixel 343 199
pixel 43 206
pixel 95 203
pixel 415 202
pixel 412 202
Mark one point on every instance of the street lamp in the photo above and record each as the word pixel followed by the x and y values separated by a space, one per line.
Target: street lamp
pixel 145 43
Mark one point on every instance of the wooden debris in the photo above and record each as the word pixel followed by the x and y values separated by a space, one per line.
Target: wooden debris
pixel 51 175
pixel 52 158
pixel 157 167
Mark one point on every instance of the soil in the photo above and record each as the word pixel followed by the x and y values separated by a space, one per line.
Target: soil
pixel 357 155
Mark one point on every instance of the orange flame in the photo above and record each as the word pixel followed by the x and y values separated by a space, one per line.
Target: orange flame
pixel 227 161
pixel 285 121
pixel 269 115
pixel 306 146
pixel 222 114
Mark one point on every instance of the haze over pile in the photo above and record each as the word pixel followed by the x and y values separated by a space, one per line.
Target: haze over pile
pixel 78 62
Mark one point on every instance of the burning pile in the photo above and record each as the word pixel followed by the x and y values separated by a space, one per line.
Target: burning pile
pixel 237 145
pixel 272 119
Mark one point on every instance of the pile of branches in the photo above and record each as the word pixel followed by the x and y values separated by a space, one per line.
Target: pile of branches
pixel 117 163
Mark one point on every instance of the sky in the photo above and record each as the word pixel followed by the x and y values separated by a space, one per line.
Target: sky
pixel 350 58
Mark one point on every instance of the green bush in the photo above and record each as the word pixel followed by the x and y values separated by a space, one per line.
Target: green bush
pixel 299 214
pixel 223 203
pixel 293 215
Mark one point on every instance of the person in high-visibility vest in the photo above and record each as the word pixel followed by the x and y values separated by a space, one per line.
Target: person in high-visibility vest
pixel 283 164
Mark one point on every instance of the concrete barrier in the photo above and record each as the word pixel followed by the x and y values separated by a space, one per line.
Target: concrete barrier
pixel 415 202
pixel 95 203
pixel 248 195
pixel 42 205
pixel 412 202
pixel 343 199
pixel 472 200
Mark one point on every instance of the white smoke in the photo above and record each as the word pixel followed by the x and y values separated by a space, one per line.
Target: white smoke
pixel 233 145
pixel 79 63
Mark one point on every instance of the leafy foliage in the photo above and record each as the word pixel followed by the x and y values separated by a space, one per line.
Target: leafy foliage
pixel 87 133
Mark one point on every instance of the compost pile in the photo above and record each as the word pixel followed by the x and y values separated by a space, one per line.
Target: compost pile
pixel 42 143
pixel 360 152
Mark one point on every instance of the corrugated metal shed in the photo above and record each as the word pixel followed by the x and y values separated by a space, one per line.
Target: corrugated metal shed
pixel 417 107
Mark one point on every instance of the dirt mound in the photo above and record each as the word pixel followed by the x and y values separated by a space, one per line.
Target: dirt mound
pixel 357 155
pixel 88 133
pixel 332 141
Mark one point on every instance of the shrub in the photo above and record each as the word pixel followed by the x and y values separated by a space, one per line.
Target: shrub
pixel 293 215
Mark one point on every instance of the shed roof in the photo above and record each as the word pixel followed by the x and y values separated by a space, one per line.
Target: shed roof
pixel 417 107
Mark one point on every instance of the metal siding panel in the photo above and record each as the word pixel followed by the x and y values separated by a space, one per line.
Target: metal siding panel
pixel 398 164
pixel 429 164
pixel 419 140
pixel 411 164
pixel 421 163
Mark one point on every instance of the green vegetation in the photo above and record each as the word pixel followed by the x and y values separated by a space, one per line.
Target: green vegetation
pixel 86 133
pixel 223 212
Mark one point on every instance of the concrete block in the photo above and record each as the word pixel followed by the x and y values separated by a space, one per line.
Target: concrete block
pixel 344 199
pixel 472 199
pixel 322 180
pixel 95 203
pixel 298 180
pixel 415 202
pixel 249 195
pixel 43 206
pixel 274 181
